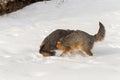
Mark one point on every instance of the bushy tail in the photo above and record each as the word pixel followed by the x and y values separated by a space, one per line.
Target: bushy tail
pixel 101 33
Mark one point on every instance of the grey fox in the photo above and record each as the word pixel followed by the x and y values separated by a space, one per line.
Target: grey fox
pixel 80 40
pixel 49 43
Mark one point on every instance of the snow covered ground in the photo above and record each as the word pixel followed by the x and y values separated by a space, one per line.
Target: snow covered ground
pixel 22 32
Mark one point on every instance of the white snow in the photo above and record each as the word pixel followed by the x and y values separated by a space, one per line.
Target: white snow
pixel 22 32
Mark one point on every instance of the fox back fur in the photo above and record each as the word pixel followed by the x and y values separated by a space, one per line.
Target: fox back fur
pixel 80 40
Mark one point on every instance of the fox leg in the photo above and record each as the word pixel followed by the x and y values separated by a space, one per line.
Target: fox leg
pixel 64 53
pixel 86 50
pixel 68 49
pixel 89 53
pixel 83 50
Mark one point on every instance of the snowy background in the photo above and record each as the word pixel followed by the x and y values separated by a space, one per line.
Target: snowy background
pixel 22 32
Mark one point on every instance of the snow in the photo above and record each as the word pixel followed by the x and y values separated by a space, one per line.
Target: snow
pixel 22 32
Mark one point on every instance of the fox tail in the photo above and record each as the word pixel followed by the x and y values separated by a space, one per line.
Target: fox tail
pixel 101 33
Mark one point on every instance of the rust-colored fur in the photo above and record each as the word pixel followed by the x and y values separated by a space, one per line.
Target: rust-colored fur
pixel 79 40
pixel 49 43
